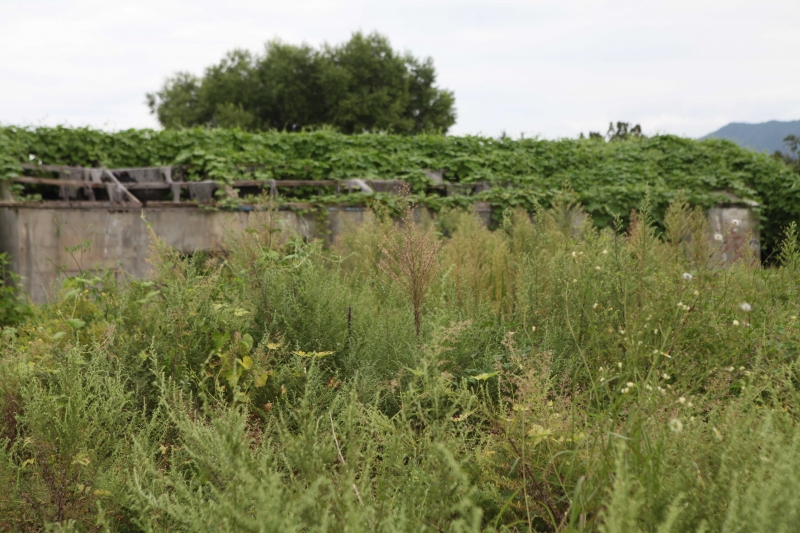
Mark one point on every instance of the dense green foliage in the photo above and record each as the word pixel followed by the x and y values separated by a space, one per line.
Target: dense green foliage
pixel 608 178
pixel 361 85
pixel 596 381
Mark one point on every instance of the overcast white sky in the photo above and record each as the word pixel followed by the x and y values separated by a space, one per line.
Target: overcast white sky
pixel 538 67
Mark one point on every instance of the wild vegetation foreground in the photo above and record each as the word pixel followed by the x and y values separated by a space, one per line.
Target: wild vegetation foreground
pixel 414 378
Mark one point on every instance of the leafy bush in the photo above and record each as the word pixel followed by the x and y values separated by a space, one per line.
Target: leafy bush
pixel 563 379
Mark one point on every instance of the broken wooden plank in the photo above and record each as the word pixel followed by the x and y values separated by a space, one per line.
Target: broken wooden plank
pixel 128 193
pixel 57 182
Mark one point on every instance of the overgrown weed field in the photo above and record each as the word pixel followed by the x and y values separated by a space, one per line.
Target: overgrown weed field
pixel 414 377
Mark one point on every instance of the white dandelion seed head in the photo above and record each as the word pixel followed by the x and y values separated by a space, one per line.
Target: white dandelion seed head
pixel 681 400
pixel 718 237
pixel 735 322
pixel 676 425
pixel 687 276
pixel 736 221
pixel 746 307
pixel 730 369
pixel 619 365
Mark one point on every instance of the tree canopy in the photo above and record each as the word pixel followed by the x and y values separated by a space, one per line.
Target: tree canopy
pixel 360 86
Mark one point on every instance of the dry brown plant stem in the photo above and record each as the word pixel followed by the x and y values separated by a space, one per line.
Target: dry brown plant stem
pixel 411 260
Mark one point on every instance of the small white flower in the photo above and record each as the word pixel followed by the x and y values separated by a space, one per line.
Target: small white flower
pixel 629 384
pixel 729 369
pixel 689 404
pixel 735 322
pixel 598 268
pixel 624 391
pixel 687 276
pixel 665 375
pixel 574 254
pixel 696 293
pixel 680 304
pixel 605 252
pixel 619 365
pixel 746 307
pixel 595 306
pixel 602 380
pixel 601 369
pixel 718 237
pixel 622 332
pixel 681 400
pixel 655 331
pixel 686 307
pixel 676 425
pixel 655 352
pixel 648 387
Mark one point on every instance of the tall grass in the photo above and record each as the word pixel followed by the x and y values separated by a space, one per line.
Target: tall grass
pixel 554 378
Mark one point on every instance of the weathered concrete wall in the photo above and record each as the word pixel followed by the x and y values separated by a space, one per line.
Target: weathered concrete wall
pixel 45 244
pixel 734 234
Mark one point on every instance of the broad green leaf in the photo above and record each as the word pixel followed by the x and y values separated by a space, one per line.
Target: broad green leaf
pixel 246 362
pixel 220 339
pixel 247 341
pixel 261 380
pixel 76 323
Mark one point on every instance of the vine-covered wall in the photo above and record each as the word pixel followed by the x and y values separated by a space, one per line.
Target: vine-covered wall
pixel 607 178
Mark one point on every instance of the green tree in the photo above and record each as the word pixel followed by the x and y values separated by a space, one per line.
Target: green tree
pixel 361 85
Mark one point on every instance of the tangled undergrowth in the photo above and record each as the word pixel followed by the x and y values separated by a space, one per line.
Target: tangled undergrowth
pixel 563 379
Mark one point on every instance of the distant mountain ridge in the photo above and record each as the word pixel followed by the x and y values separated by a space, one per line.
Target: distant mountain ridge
pixel 764 136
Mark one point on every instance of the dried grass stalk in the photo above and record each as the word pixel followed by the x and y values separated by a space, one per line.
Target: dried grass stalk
pixel 411 260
